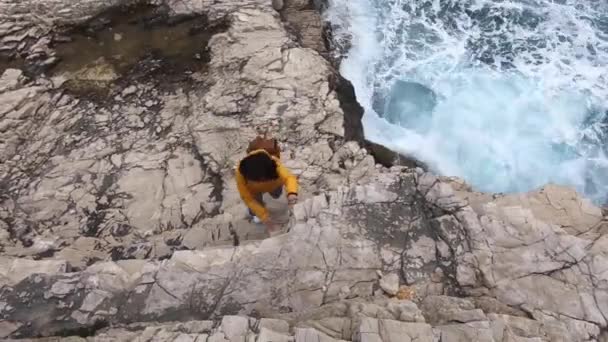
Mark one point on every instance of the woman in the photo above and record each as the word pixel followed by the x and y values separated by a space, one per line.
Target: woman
pixel 262 172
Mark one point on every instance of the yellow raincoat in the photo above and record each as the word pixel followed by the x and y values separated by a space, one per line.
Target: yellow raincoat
pixel 248 189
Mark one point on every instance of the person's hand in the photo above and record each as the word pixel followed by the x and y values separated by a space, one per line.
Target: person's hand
pixel 292 199
pixel 270 226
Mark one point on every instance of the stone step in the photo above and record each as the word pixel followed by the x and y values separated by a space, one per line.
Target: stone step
pixel 241 226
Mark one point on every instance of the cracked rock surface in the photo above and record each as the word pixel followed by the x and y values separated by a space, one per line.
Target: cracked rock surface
pixel 322 277
pixel 150 170
pixel 120 219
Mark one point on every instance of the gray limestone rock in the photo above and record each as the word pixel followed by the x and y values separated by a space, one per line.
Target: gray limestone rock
pixel 277 4
pixel 444 309
pixel 390 283
pixel 148 172
pixel 372 330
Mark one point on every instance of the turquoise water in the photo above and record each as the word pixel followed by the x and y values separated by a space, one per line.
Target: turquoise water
pixel 509 95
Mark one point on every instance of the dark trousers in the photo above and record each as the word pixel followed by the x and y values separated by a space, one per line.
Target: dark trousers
pixel 276 193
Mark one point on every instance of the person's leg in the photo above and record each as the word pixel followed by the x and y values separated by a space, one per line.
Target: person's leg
pixel 258 197
pixel 276 193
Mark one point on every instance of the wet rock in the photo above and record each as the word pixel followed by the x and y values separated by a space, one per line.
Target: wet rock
pixel 99 72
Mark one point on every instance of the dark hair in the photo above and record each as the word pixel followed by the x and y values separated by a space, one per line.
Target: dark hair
pixel 258 167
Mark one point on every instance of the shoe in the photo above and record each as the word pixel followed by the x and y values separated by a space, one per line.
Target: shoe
pixel 251 217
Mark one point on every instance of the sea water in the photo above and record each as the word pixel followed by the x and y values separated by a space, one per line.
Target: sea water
pixel 507 94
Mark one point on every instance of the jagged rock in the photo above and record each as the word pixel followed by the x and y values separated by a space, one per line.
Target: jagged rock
pixel 492 305
pixel 371 330
pixel 129 91
pixel 390 283
pixel 561 262
pixel 10 79
pixel 312 335
pixel 119 230
pixel 83 252
pixel 235 327
pixel 13 271
pixel 135 251
pixel 192 279
pixel 405 311
pixel 476 331
pixel 268 335
pixel 4 234
pixel 334 327
pixel 277 4
pixel 275 325
pixel 551 204
pixel 443 309
pixel 108 174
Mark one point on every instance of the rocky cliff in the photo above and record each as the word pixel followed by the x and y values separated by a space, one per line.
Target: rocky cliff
pixel 120 219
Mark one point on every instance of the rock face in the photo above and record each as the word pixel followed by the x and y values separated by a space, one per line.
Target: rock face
pixel 136 175
pixel 120 218
pixel 402 221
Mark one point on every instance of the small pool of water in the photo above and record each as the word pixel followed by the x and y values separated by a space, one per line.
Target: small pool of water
pixel 125 36
pixel 7 62
pixel 123 45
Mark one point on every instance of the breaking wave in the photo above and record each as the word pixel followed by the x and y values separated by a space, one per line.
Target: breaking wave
pixel 507 94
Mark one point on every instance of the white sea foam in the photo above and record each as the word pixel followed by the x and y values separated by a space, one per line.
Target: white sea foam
pixel 521 86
